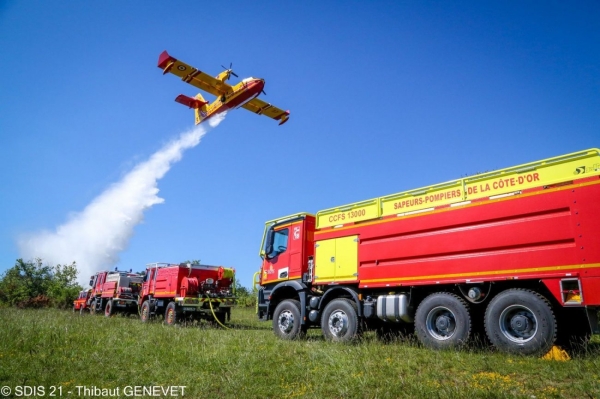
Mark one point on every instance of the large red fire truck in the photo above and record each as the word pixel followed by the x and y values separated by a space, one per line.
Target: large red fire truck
pixel 114 291
pixel 187 291
pixel 514 252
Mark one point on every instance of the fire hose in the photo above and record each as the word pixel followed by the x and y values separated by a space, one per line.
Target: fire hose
pixel 215 316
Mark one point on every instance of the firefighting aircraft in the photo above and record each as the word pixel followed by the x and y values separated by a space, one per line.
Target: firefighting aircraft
pixel 242 94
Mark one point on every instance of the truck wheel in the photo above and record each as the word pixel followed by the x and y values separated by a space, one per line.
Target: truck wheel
pixel 286 320
pixel 109 310
pixel 520 321
pixel 93 308
pixel 443 321
pixel 340 320
pixel 171 315
pixel 81 310
pixel 145 312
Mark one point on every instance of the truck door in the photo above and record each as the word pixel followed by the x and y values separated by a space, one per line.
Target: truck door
pixel 336 260
pixel 100 282
pixel 277 264
pixel 148 285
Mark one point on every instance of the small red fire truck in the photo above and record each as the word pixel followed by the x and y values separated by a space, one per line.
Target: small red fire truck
pixel 514 252
pixel 187 291
pixel 80 304
pixel 114 291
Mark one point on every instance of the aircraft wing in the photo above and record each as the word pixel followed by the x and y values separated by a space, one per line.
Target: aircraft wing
pixel 192 75
pixel 263 108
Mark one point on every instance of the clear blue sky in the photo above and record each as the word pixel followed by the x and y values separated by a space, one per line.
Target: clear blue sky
pixel 384 97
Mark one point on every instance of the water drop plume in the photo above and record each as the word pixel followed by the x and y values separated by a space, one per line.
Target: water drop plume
pixel 95 236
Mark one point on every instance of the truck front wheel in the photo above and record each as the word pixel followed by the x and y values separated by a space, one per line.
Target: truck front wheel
pixel 340 320
pixel 145 312
pixel 520 321
pixel 286 320
pixel 442 321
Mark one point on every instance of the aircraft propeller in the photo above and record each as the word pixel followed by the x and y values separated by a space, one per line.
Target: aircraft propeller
pixel 230 70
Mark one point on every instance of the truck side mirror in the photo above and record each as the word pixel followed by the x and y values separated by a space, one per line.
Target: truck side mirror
pixel 269 242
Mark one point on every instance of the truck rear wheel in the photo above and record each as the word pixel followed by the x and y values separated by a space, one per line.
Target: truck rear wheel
pixel 109 310
pixel 286 320
pixel 172 317
pixel 520 321
pixel 443 321
pixel 145 312
pixel 340 320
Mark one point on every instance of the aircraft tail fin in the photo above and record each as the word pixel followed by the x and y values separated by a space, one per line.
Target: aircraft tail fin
pixel 198 103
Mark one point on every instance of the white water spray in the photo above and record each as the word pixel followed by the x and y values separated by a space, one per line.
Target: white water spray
pixel 95 236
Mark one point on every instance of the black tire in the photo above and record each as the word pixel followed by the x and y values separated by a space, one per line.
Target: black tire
pixel 339 322
pixel 82 310
pixel 145 312
pixel 109 310
pixel 172 316
pixel 442 321
pixel 520 321
pixel 286 320
pixel 93 310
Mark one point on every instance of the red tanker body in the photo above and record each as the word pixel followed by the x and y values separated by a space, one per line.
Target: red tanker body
pixel 115 291
pixel 191 291
pixel 515 252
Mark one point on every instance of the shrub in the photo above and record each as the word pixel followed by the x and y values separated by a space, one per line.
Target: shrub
pixel 33 284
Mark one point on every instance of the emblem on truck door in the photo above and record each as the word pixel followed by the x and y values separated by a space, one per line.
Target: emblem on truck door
pixel 296 232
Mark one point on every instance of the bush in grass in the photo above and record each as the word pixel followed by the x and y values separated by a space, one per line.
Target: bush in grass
pixel 245 297
pixel 33 284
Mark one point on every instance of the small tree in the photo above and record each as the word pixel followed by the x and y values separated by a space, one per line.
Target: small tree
pixel 63 288
pixel 24 281
pixel 33 284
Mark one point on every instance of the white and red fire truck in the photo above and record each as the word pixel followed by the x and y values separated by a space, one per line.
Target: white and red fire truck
pixel 114 291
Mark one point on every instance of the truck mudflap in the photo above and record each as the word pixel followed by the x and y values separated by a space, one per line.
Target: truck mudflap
pixel 592 314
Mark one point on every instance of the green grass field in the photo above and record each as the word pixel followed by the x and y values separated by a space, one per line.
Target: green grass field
pixel 58 348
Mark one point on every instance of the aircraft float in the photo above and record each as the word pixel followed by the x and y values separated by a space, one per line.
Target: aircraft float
pixel 244 94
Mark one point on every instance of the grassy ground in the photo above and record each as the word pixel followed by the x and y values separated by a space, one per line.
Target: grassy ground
pixel 57 348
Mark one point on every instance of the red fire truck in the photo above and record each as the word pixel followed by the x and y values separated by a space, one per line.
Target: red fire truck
pixel 80 304
pixel 514 252
pixel 114 291
pixel 187 291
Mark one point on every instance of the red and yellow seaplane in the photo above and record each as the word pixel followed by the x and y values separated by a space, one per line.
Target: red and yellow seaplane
pixel 242 94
